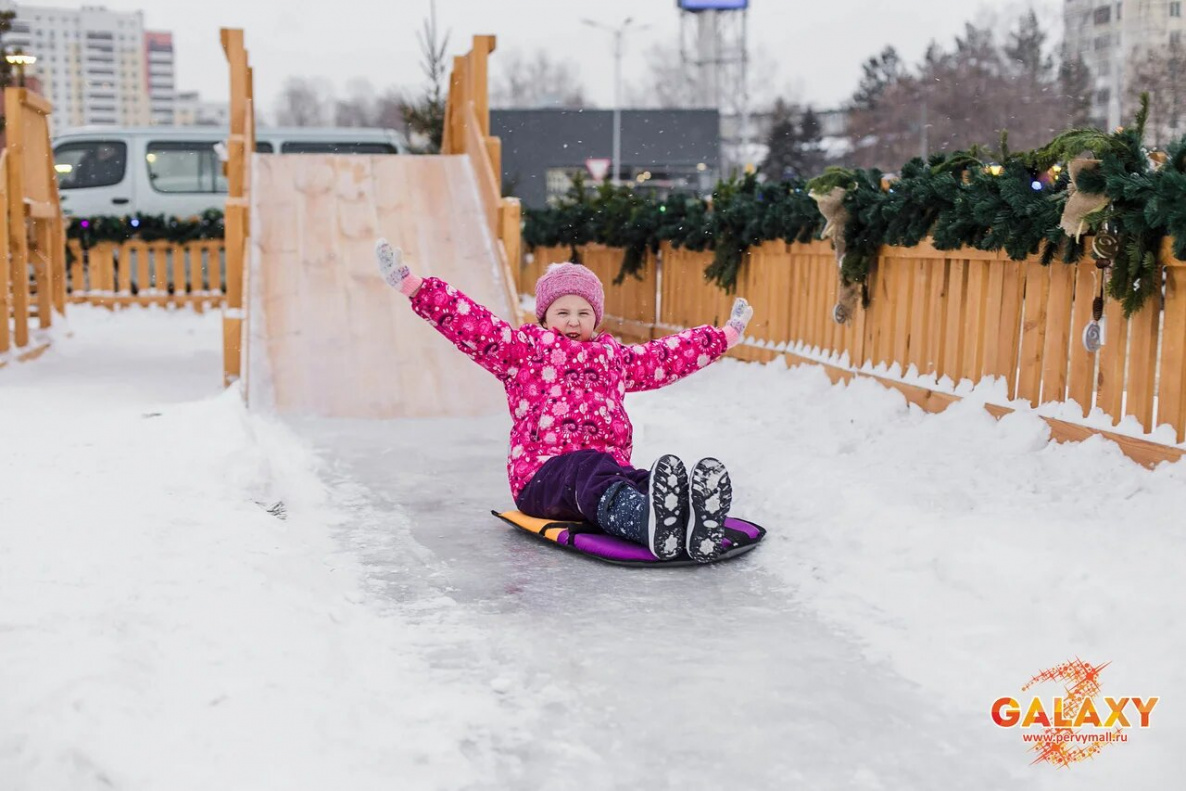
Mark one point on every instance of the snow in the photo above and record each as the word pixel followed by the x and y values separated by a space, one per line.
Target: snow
pixel 159 628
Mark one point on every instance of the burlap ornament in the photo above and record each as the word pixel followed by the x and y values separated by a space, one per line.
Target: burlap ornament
pixel 831 206
pixel 1080 204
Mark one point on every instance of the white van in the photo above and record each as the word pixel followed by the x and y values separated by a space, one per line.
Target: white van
pixel 174 170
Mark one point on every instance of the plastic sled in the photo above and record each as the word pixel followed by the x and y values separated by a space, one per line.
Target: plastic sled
pixel 582 537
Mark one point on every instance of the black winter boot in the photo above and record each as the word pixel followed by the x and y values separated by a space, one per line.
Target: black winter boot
pixel 668 503
pixel 657 519
pixel 712 496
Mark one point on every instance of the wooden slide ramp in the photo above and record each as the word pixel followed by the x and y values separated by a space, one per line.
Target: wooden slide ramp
pixel 326 336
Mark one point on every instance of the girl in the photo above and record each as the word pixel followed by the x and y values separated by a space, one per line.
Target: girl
pixel 571 438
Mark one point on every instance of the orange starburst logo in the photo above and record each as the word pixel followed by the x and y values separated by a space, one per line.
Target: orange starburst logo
pixel 1078 724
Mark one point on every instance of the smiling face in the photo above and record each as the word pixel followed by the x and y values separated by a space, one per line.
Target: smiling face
pixel 571 316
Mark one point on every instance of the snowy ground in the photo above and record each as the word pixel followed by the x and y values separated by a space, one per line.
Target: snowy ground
pixel 159 628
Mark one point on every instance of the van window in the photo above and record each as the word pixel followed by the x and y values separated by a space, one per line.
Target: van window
pixel 317 147
pixel 95 163
pixel 184 166
pixel 263 147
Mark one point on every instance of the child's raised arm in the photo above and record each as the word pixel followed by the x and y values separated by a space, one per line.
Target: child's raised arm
pixel 485 338
pixel 665 360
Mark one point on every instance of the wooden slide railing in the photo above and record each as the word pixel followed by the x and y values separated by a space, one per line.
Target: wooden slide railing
pixel 467 131
pixel 32 241
pixel 240 147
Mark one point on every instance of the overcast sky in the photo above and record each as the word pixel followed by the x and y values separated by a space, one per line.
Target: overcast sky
pixel 817 45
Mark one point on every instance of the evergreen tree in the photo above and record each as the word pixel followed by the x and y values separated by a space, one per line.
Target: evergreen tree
pixel 426 116
pixel 794 144
pixel 879 72
pixel 1032 116
pixel 1160 72
pixel 1074 89
pixel 780 156
pixel 811 150
pixel 1025 51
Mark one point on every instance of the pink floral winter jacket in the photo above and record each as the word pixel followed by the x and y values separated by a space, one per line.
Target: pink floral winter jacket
pixel 564 395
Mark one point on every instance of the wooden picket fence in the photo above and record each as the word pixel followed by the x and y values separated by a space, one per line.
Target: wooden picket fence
pixel 32 254
pixel 965 314
pixel 149 273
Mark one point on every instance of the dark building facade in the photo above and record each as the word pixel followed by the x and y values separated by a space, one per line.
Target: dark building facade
pixel 661 150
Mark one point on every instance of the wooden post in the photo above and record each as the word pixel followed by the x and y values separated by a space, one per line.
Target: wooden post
pixel 479 92
pixel 57 237
pixel 78 283
pixel 494 152
pixel 5 271
pixel 242 143
pixel 18 239
pixel 458 100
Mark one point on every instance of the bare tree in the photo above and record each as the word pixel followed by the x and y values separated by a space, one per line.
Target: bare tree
pixel 536 81
pixel 302 102
pixel 672 82
pixel 388 111
pixel 1162 72
pixel 359 108
pixel 668 83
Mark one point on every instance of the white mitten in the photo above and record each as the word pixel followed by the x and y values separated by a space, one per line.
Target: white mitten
pixel 394 270
pixel 738 321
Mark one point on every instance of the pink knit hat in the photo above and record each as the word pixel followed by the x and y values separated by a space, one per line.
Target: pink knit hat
pixel 568 278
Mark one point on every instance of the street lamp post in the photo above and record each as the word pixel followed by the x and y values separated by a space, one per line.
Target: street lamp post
pixel 618 32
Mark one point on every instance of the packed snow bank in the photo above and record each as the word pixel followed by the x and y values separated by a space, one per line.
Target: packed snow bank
pixel 969 552
pixel 159 628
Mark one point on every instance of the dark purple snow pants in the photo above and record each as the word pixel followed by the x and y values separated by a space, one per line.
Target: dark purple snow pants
pixel 571 486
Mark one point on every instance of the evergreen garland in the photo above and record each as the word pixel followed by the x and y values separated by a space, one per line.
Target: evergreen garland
pixel 735 224
pixel 90 231
pixel 1166 205
pixel 1010 201
pixel 1130 182
pixel 149 228
pixel 789 212
pixel 567 224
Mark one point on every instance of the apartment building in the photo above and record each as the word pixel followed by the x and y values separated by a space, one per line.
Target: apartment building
pixel 162 94
pixel 96 66
pixel 193 110
pixel 1109 35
